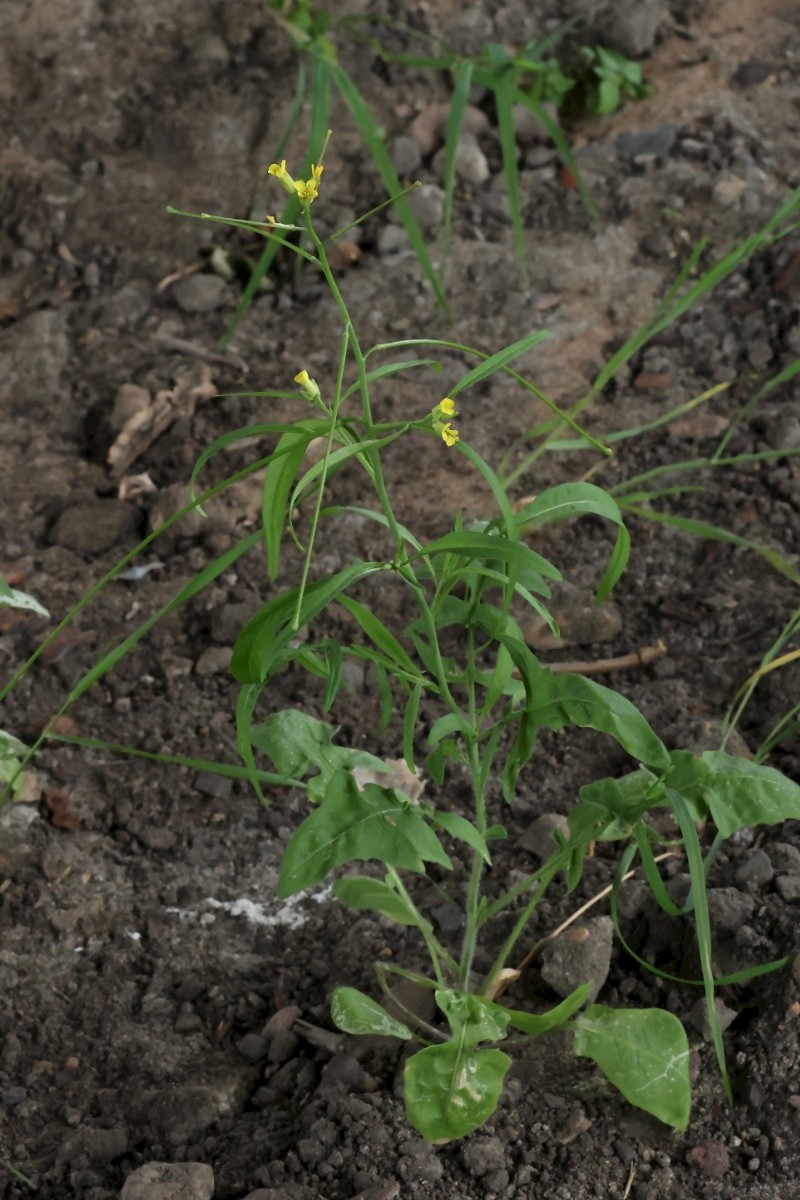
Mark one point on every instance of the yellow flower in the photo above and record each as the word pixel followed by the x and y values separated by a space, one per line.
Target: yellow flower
pixel 282 175
pixel 308 386
pixel 449 435
pixel 447 407
pixel 316 171
pixel 306 191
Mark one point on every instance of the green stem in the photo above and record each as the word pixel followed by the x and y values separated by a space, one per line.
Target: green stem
pixel 435 950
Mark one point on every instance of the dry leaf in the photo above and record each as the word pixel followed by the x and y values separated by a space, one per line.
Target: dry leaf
pixel 146 426
pixel 131 486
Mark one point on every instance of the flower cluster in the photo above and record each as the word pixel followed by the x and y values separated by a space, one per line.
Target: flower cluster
pixel 306 190
pixel 445 408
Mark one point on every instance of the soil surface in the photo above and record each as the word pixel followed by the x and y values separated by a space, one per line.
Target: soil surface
pixel 143 951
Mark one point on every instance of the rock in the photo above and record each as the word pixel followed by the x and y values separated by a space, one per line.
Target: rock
pixel 728 190
pixel 427 205
pixel 214 661
pixel 529 128
pixel 185 1114
pixel 128 401
pixel 471 163
pixel 481 1155
pixel 581 954
pixel 427 128
pixel 168 503
pixel 94 526
pixel 200 293
pixel 633 26
pixel 785 857
pixel 170 1181
pixel 728 909
pixel 127 306
pixel 418 1162
pixel 698 1015
pixel 755 871
pixel 789 887
pixel 228 621
pixel 252 1047
pixel 392 239
pixel 282 1046
pixel 218 787
pixel 538 837
pixel 712 1158
pixel 406 155
pixel 654 143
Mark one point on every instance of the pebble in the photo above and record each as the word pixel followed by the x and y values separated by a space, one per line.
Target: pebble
pixel 728 190
pixel 656 142
pixel 698 1015
pixel 127 306
pixel 391 240
pixel 406 155
pixel 94 526
pixel 214 661
pixel 218 787
pixel 530 130
pixel 185 1114
pixel 755 871
pixel 471 163
pixel 200 293
pixel 728 909
pixel 427 205
pixel 228 621
pixel 427 128
pixel 789 887
pixel 252 1047
pixel 168 503
pixel 481 1155
pixel 170 1181
pixel 785 858
pixel 282 1046
pixel 633 27
pixel 538 837
pixel 579 624
pixel 581 954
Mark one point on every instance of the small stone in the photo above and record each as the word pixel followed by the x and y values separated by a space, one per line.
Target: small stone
pixel 579 624
pixel 530 130
pixel 216 660
pixel 789 887
pixel 752 72
pixel 218 787
pixel 728 909
pixel 170 1181
pixel 481 1155
pixel 94 526
pixel 127 306
pixel 471 163
pixel 392 239
pixel 633 27
pixel 698 1016
pixel 785 857
pixel 252 1047
pixel 655 142
pixel 406 156
pixel 282 1046
pixel 759 354
pixel 182 1115
pixel 581 954
pixel 188 1019
pixel 200 293
pixel 755 871
pixel 538 837
pixel 168 503
pixel 712 1158
pixel 228 621
pixel 427 205
pixel 728 190
pixel 427 128
pixel 158 837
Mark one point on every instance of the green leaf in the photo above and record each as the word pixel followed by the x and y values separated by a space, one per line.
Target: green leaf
pixel 410 725
pixel 450 1092
pixel 496 362
pixel 353 1012
pixel 462 829
pixel 12 755
pixel 575 700
pixel 494 548
pixel 362 893
pixel 297 742
pixel 472 1018
pixel 260 647
pixel 575 500
pixel 740 793
pixel 535 1024
pixel 278 481
pixel 644 1053
pixel 14 598
pixel 353 824
pixel 378 634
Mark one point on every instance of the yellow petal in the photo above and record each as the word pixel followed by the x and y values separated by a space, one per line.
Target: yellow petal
pixel 302 377
pixel 447 406
pixel 449 435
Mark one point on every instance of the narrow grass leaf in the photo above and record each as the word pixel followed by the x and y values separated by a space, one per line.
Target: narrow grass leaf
pixel 499 361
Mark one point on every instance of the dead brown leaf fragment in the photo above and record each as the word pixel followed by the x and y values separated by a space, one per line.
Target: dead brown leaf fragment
pixel 147 424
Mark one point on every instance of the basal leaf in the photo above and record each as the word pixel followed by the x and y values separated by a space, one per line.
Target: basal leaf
pixel 535 1024
pixel 450 1092
pixel 471 1018
pixel 644 1053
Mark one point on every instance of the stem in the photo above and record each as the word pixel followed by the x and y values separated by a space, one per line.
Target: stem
pixel 474 894
pixel 435 950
